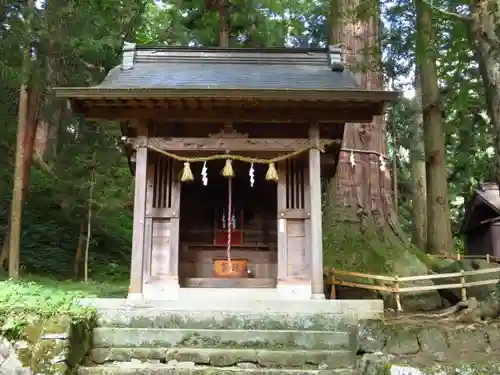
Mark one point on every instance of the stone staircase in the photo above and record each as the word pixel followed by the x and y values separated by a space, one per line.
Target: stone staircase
pixel 163 341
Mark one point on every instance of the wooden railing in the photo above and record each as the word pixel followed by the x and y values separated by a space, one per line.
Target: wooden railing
pixel 392 284
pixel 489 258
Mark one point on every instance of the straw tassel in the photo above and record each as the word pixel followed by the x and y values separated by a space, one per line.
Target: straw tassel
pixel 228 169
pixel 272 173
pixel 187 174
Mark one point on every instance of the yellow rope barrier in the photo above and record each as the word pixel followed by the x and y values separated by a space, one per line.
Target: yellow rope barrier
pixel 271 175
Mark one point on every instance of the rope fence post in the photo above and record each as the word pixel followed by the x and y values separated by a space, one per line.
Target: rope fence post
pixel 333 293
pixel 396 293
pixel 463 290
pixel 488 258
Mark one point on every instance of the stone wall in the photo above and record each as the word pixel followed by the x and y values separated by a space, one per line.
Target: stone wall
pixel 428 347
pixel 53 346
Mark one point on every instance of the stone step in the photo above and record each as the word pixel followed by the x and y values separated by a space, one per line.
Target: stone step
pixel 215 338
pixel 228 357
pixel 159 318
pixel 126 368
pixel 355 309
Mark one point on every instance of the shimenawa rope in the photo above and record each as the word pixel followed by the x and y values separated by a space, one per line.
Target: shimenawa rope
pixel 271 175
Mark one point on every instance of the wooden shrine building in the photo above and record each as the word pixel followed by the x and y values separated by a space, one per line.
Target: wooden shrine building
pixel 228 147
pixel 481 223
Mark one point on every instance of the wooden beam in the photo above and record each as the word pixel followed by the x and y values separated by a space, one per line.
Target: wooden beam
pixel 295 114
pixel 316 232
pixel 282 249
pixel 236 144
pixel 137 258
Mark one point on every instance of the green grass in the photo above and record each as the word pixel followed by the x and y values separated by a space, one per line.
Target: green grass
pixel 47 297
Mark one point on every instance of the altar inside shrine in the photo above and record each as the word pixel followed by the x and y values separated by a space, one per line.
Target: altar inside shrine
pixel 204 224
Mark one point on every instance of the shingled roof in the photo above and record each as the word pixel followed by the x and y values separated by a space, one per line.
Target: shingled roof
pixel 483 207
pixel 154 70
pixel 211 68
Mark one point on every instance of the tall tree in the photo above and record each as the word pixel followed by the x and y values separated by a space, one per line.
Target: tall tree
pixel 418 175
pixel 439 236
pixel 485 35
pixel 481 18
pixel 359 215
pixel 24 146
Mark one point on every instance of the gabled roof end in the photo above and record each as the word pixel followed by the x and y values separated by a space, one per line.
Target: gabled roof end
pixel 128 57
pixel 335 58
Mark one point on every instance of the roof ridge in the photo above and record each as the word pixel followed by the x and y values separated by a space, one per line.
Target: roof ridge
pixel 331 56
pixel 232 49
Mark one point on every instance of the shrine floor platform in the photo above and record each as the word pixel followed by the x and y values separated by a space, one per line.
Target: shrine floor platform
pixel 221 282
pixel 207 300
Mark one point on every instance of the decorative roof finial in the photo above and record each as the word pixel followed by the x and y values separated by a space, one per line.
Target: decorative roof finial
pixel 128 56
pixel 335 58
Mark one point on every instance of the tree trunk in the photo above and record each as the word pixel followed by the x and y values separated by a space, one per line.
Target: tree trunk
pixel 439 236
pixel 419 184
pixel 359 217
pixel 17 192
pixel 79 251
pixel 223 24
pixel 486 39
pixel 28 144
pixel 89 220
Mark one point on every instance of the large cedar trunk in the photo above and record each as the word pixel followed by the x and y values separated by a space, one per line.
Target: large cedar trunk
pixel 359 211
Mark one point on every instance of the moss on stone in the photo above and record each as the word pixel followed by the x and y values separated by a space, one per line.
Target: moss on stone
pixel 48 352
pixel 60 324
pixel 80 340
pixel 364 245
pixel 51 346
pixel 356 240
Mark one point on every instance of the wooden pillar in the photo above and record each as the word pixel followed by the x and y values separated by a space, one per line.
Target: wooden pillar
pixel 137 259
pixel 316 232
pixel 148 226
pixel 174 225
pixel 282 230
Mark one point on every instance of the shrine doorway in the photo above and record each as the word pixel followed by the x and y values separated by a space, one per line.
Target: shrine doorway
pixel 205 259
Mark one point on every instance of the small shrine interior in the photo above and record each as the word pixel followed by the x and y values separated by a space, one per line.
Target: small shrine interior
pixel 205 219
pixel 228 203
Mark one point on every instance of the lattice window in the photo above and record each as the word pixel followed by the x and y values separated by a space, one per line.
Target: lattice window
pixel 295 198
pixel 162 188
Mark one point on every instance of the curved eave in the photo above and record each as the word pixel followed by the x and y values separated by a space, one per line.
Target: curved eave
pixel 236 93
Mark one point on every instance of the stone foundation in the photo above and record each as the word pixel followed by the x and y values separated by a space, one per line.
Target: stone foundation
pixel 430 347
pixel 52 346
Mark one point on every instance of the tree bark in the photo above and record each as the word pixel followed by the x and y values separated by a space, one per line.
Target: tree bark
pixel 419 182
pixel 361 230
pixel 28 103
pixel 486 40
pixel 79 251
pixel 17 192
pixel 89 218
pixel 439 236
pixel 223 24
pixel 365 188
pixel 28 144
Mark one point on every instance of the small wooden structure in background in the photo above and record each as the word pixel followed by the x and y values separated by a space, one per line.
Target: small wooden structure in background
pixel 481 223
pixel 245 102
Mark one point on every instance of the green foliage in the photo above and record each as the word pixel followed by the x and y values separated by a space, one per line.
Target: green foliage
pixel 75 43
pixel 23 301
